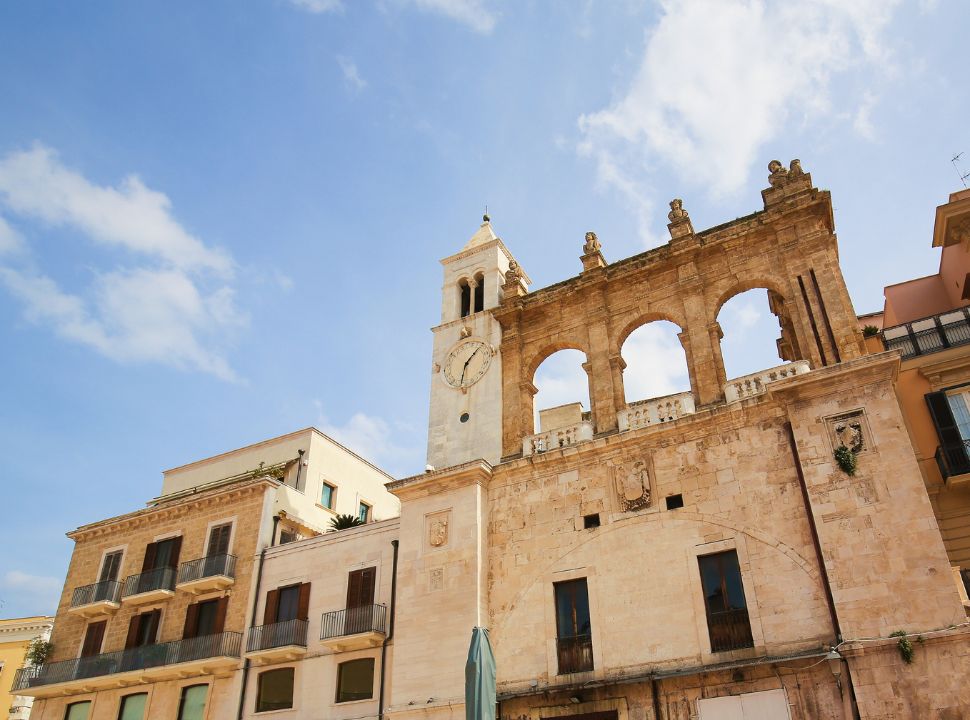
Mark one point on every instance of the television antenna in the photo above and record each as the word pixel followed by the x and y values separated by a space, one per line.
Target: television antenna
pixel 963 175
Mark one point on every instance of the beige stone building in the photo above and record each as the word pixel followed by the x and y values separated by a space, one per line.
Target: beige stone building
pixel 744 550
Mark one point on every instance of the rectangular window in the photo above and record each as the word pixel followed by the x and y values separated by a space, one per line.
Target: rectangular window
pixel 205 618
pixel 363 512
pixel 288 536
pixel 93 637
pixel 192 704
pixel 727 610
pixel 360 599
pixel 143 629
pixel 355 680
pixel 951 418
pixel 574 635
pixel 275 690
pixel 326 496
pixel 219 540
pixel 289 603
pixel 78 711
pixel 133 707
pixel 110 566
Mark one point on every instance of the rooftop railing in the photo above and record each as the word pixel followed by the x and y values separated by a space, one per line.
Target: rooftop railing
pixel 104 591
pixel 227 644
pixel 757 383
pixel 162 578
pixel 558 438
pixel 655 411
pixel 929 335
pixel 205 567
pixel 274 635
pixel 367 618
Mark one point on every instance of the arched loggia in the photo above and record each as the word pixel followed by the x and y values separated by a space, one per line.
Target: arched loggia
pixel 656 376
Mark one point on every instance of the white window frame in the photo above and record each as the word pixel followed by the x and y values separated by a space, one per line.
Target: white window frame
pixel 231 521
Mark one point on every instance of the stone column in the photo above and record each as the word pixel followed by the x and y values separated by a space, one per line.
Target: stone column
pixel 617 366
pixel 598 366
pixel 704 351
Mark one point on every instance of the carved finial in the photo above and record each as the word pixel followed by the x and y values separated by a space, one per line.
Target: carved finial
pixel 677 212
pixel 592 243
pixel 465 331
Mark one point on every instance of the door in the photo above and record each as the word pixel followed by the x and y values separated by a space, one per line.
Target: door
pixel 360 600
pixel 93 637
pixel 217 550
pixel 766 705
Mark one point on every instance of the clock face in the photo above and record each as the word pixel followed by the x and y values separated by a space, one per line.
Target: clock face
pixel 466 363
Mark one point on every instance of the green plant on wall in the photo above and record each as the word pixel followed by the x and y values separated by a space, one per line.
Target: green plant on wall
pixel 342 522
pixel 38 650
pixel 905 646
pixel 870 331
pixel 846 459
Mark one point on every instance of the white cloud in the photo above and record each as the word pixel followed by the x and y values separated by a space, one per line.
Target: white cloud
pixel 351 75
pixel 397 448
pixel 719 79
pixel 35 591
pixel 318 6
pixel 10 240
pixel 171 305
pixel 471 13
pixel 862 121
pixel 33 183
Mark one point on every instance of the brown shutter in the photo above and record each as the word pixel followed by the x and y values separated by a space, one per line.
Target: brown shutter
pixel 176 549
pixel 303 608
pixel 132 632
pixel 154 620
pixel 191 627
pixel 219 540
pixel 220 622
pixel 360 587
pixel 149 562
pixel 272 605
pixel 93 637
pixel 353 589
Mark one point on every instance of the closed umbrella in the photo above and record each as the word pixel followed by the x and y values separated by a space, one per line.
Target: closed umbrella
pixel 480 678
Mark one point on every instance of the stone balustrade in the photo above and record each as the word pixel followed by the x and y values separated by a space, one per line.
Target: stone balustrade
pixel 557 438
pixel 756 383
pixel 655 411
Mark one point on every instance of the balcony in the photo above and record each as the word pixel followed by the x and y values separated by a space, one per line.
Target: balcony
pixel 214 572
pixel 192 657
pixel 353 628
pixel 954 462
pixel 277 641
pixel 558 438
pixel 575 654
pixel 757 383
pixel 729 630
pixel 929 335
pixel 101 598
pixel 644 413
pixel 148 587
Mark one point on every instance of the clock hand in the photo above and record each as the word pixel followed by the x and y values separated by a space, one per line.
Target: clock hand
pixel 465 367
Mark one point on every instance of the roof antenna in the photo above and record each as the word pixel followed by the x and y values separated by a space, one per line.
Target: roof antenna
pixel 485 217
pixel 963 175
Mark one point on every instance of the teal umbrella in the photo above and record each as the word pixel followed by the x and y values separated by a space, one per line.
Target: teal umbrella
pixel 480 678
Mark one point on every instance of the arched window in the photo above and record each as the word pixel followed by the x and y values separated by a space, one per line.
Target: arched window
pixel 479 292
pixel 465 298
pixel 563 391
pixel 78 711
pixel 133 707
pixel 750 334
pixel 192 703
pixel 275 690
pixel 656 380
pixel 355 680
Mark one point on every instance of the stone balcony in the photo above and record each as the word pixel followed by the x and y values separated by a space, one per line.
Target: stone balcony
pixel 756 384
pixel 655 411
pixel 149 587
pixel 213 572
pixel 100 599
pixel 277 642
pixel 354 628
pixel 557 438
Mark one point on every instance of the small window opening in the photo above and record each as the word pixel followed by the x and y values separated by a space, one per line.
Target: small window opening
pixel 466 297
pixel 966 288
pixel 675 501
pixel 463 418
pixel 591 521
pixel 287 536
pixel 479 293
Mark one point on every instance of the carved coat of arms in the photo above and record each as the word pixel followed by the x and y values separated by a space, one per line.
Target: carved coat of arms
pixel 438 532
pixel 633 486
pixel 849 434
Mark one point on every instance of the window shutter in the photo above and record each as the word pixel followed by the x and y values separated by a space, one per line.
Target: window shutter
pixel 191 627
pixel 219 540
pixel 353 589
pixel 221 608
pixel 303 608
pixel 947 430
pixel 149 562
pixel 132 638
pixel 367 577
pixel 176 549
pixel 93 637
pixel 272 605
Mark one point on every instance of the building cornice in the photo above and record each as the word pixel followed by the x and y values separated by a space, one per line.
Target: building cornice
pixel 470 473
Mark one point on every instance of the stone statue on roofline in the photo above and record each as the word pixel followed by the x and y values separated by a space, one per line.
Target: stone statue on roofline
pixel 592 243
pixel 677 212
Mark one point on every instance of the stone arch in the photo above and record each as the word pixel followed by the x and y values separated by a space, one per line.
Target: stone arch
pixel 638 322
pixel 531 388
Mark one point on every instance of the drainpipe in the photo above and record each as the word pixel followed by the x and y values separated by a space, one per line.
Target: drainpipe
pixel 655 689
pixel 826 584
pixel 252 622
pixel 390 630
pixel 299 468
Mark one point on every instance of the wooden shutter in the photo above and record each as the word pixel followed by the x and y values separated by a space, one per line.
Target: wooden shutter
pixel 360 587
pixel 946 429
pixel 191 627
pixel 272 606
pixel 219 540
pixel 176 549
pixel 93 637
pixel 110 567
pixel 132 638
pixel 303 607
pixel 153 619
pixel 149 562
pixel 221 608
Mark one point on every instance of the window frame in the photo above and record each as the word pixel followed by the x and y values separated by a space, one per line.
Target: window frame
pixel 333 495
pixel 183 692
pixel 340 674
pixel 231 522
pixel 368 510
pixel 259 688
pixel 738 544
pixel 67 708
pixel 104 556
pixel 124 698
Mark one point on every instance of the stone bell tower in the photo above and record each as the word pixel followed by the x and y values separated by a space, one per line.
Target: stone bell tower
pixel 465 421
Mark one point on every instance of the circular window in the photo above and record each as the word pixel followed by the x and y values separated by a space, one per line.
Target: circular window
pixel 463 418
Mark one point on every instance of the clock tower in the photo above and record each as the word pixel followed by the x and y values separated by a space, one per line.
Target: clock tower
pixel 465 421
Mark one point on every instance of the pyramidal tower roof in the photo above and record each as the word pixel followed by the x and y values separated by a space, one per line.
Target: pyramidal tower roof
pixel 483 235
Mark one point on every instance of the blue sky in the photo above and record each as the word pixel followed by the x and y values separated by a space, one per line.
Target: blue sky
pixel 221 221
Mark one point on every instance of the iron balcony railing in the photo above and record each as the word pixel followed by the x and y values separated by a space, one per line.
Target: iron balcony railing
pixel 162 578
pixel 953 458
pixel 929 335
pixel 226 644
pixel 367 618
pixel 205 567
pixel 575 654
pixel 104 591
pixel 729 630
pixel 281 634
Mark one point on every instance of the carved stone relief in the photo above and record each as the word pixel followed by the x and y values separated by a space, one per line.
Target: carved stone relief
pixel 632 483
pixel 437 529
pixel 436 578
pixel 851 430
